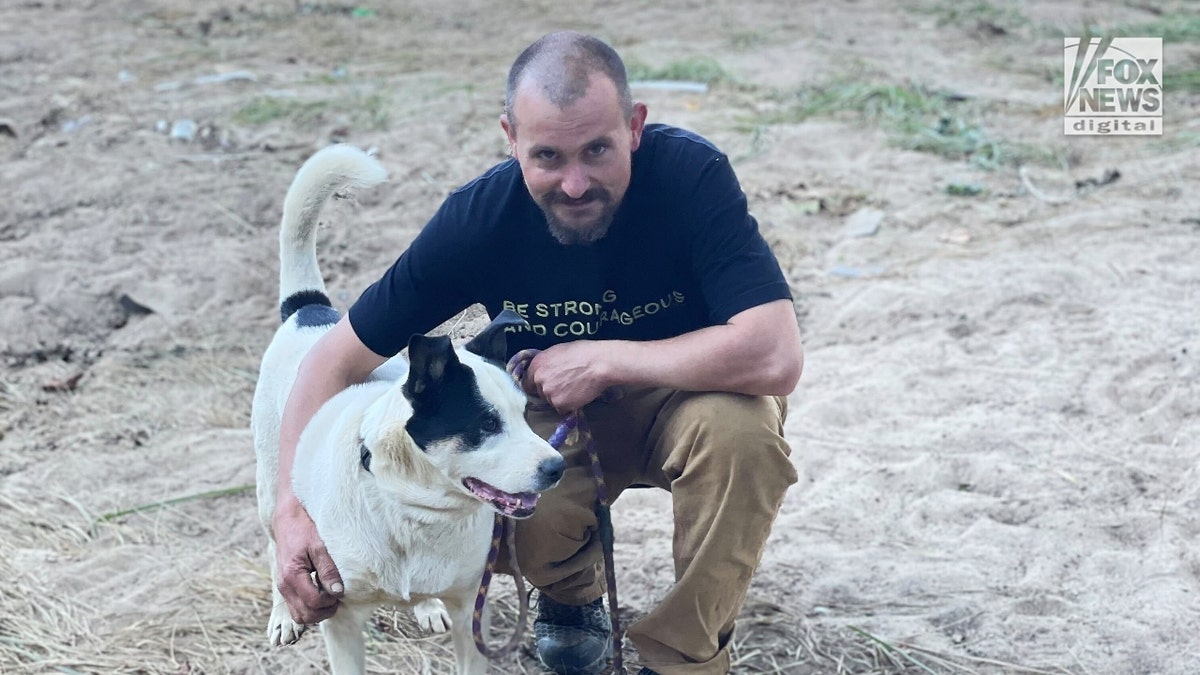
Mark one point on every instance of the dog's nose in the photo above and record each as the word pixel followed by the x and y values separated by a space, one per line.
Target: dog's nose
pixel 550 471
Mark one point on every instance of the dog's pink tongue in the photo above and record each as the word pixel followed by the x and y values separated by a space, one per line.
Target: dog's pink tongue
pixel 515 503
pixel 519 504
pixel 527 501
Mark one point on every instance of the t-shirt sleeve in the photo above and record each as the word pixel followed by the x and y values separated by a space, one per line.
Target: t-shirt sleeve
pixel 428 284
pixel 734 265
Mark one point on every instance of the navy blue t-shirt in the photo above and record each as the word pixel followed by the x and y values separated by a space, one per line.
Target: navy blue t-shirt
pixel 682 253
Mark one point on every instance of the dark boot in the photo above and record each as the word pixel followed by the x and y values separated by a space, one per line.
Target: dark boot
pixel 573 639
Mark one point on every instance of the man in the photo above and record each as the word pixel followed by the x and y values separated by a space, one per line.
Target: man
pixel 630 250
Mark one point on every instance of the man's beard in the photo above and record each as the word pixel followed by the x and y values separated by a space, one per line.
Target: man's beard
pixel 587 233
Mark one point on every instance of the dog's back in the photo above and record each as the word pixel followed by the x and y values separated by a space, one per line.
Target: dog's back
pixel 304 306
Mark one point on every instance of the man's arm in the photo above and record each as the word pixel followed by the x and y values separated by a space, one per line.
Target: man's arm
pixel 339 359
pixel 757 352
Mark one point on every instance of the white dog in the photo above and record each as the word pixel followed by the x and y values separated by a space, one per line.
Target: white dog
pixel 402 474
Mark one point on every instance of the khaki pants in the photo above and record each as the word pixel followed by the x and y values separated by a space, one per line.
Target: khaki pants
pixel 724 460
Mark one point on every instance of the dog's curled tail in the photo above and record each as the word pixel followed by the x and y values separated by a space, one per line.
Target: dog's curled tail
pixel 331 170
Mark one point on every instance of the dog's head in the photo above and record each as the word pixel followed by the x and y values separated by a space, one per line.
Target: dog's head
pixel 468 422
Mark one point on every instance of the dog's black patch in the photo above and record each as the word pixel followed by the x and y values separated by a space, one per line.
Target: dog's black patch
pixel 309 316
pixel 445 397
pixel 318 315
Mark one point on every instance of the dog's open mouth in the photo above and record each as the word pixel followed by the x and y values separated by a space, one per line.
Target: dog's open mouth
pixel 519 505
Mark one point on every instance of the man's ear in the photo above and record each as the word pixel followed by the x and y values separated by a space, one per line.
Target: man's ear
pixel 428 359
pixel 510 133
pixel 637 124
pixel 491 342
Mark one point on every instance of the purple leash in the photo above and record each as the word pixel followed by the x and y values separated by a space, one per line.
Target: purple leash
pixel 481 596
pixel 573 423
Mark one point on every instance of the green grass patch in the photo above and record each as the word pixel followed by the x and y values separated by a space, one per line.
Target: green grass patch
pixel 955 138
pixel 1174 80
pixel 915 118
pixel 901 105
pixel 696 69
pixel 965 190
pixel 1169 27
pixel 372 111
pixel 1173 27
pixel 977 15
pixel 264 109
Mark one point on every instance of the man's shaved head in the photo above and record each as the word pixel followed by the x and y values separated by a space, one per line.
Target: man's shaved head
pixel 561 65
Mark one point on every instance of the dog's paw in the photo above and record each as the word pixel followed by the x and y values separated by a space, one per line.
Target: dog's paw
pixel 432 616
pixel 282 630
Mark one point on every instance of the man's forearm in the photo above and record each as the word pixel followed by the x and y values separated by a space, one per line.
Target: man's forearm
pixel 761 355
pixel 311 392
pixel 335 362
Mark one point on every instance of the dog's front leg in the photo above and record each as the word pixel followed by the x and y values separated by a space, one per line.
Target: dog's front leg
pixel 344 639
pixel 466 655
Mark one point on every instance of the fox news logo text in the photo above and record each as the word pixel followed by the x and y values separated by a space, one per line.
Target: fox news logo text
pixel 1112 86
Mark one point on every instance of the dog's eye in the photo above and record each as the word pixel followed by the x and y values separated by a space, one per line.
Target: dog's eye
pixel 364 457
pixel 490 424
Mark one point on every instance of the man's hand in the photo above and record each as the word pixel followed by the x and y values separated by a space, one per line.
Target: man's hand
pixel 568 376
pixel 299 552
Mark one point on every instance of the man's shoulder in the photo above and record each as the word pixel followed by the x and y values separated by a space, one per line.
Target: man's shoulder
pixel 496 182
pixel 478 207
pixel 672 160
pixel 673 154
pixel 678 139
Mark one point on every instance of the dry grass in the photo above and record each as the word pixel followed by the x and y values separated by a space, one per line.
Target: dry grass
pixel 43 630
pixel 770 640
pixel 215 621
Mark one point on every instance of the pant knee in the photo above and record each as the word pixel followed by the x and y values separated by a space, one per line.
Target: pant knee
pixel 739 432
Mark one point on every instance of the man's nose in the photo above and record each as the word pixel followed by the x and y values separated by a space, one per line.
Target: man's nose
pixel 575 181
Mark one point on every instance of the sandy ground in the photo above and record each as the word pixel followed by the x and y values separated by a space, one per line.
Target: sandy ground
pixel 997 426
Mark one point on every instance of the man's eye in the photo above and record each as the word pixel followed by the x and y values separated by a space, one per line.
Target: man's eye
pixel 546 155
pixel 598 149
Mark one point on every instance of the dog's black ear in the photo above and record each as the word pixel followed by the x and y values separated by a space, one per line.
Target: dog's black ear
pixel 428 360
pixel 491 343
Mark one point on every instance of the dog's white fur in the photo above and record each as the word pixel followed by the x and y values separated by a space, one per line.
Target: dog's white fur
pixel 407 532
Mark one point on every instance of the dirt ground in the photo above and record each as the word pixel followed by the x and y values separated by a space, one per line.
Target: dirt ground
pixel 996 429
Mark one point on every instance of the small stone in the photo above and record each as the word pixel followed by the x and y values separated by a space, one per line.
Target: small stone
pixel 183 130
pixel 863 223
